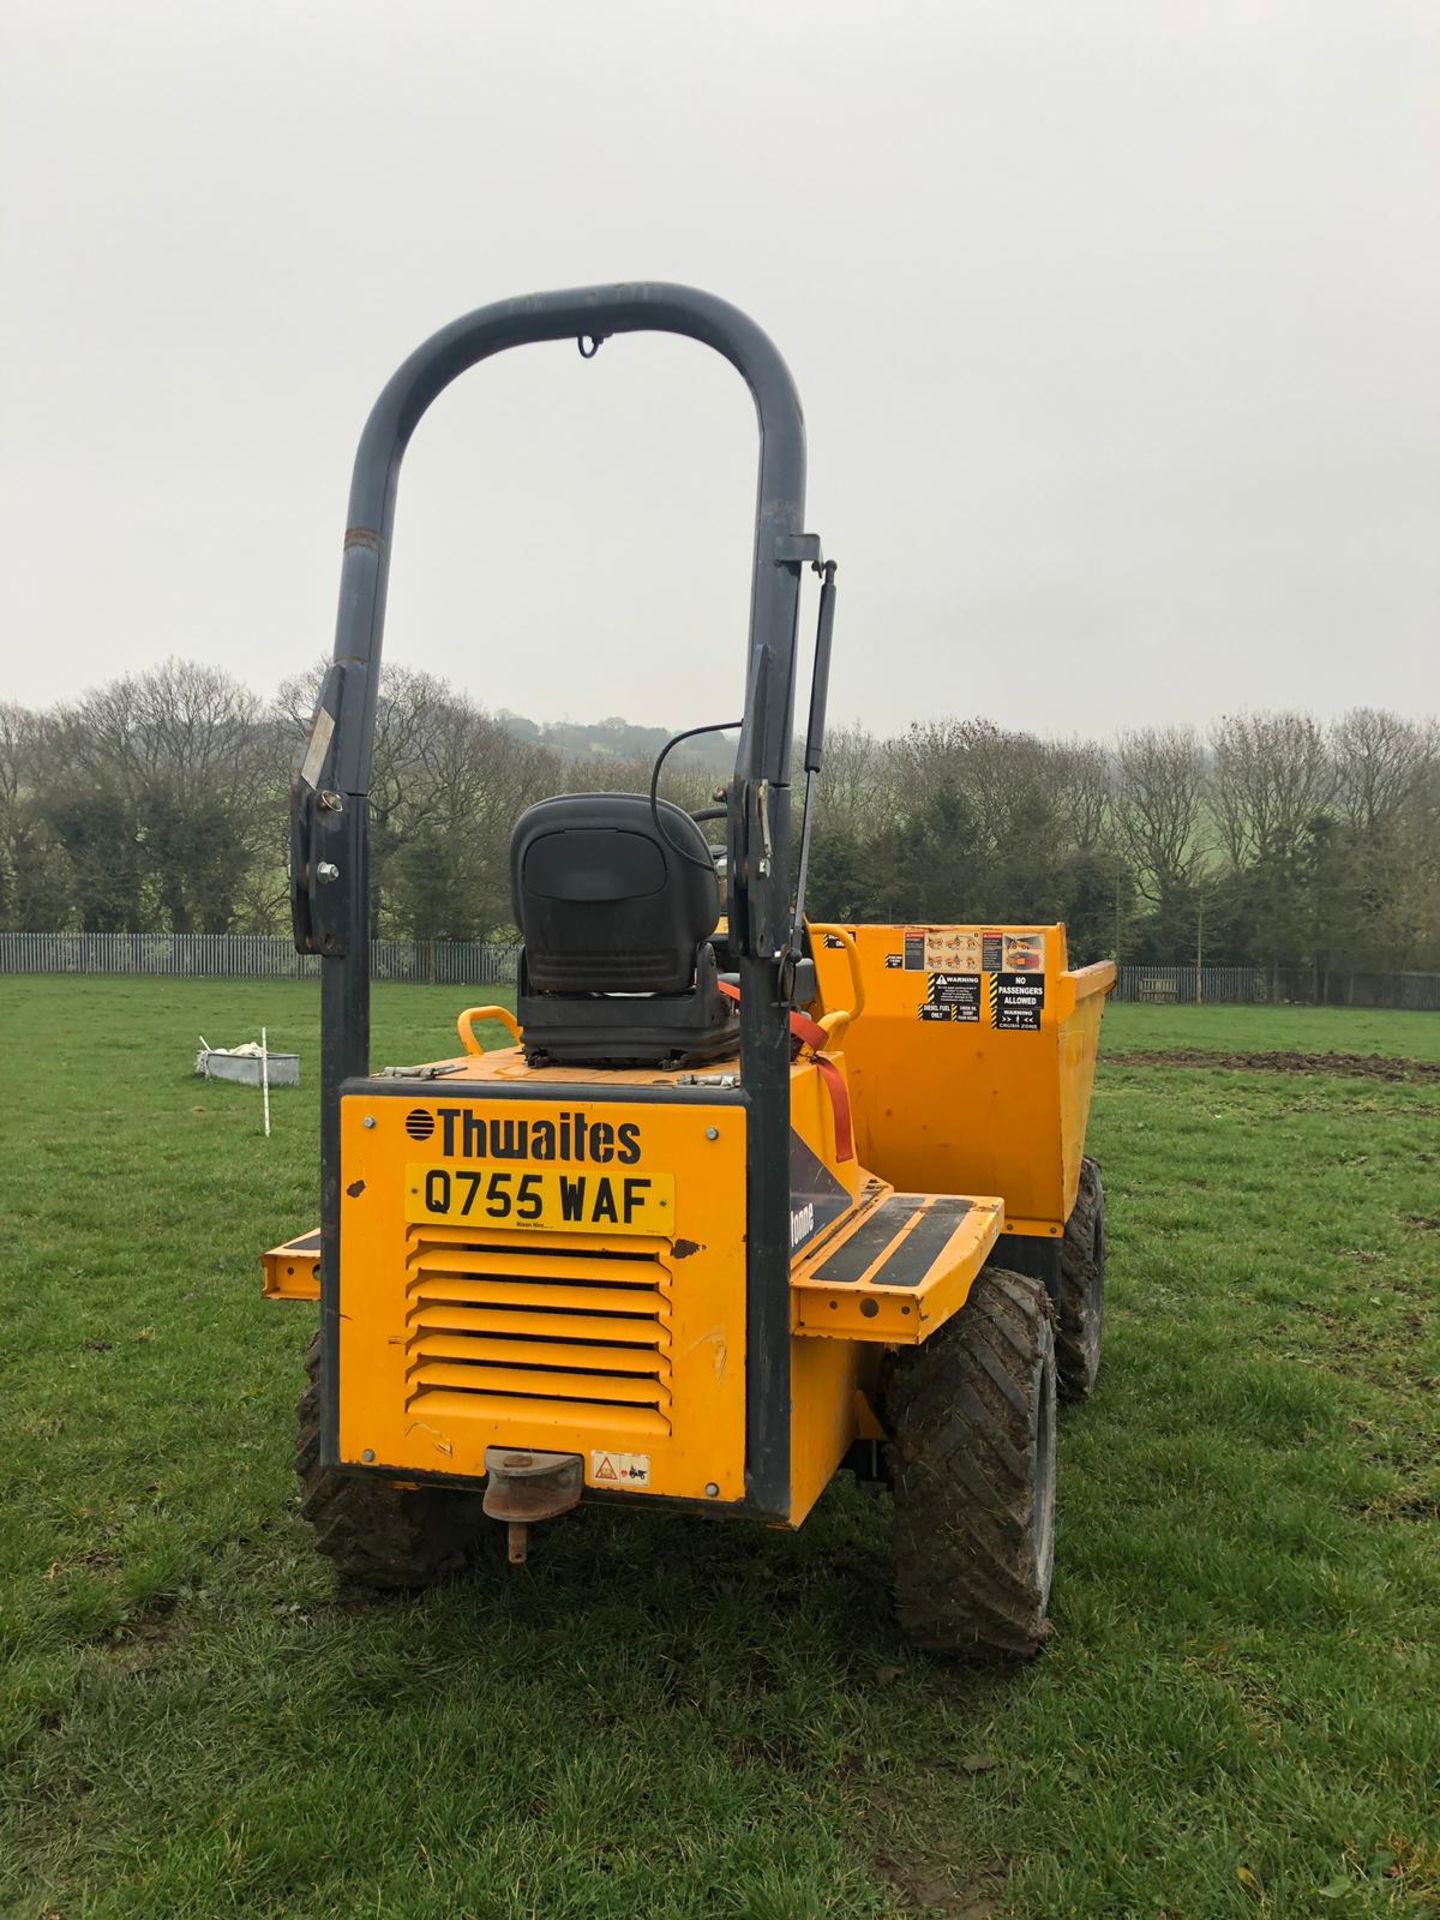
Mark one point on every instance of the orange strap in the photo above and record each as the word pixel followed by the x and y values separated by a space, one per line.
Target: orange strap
pixel 811 1034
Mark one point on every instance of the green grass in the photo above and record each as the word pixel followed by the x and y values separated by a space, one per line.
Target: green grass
pixel 1401 1036
pixel 662 1718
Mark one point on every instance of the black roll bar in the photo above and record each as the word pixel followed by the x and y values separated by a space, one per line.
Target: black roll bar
pixel 330 878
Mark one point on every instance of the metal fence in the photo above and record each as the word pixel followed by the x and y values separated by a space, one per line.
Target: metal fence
pixel 491 963
pixel 251 956
pixel 1279 986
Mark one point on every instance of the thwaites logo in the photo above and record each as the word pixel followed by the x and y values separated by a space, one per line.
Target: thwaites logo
pixel 569 1136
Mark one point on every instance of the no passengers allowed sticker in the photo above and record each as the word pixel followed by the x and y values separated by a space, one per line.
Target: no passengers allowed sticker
pixel 1017 1001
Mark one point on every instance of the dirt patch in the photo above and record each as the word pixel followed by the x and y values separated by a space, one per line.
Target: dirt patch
pixel 924 1890
pixel 1402 1506
pixel 1351 1066
pixel 149 1628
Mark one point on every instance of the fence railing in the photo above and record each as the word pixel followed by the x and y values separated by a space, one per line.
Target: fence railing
pixel 1282 986
pixel 251 956
pixel 492 963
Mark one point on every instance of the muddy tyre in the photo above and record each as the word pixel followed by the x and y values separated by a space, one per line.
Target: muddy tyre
pixel 971 1417
pixel 1080 1322
pixel 379 1535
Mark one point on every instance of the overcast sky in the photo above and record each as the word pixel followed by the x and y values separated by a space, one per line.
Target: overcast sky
pixel 1117 328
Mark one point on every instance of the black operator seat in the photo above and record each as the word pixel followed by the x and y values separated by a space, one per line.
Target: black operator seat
pixel 615 914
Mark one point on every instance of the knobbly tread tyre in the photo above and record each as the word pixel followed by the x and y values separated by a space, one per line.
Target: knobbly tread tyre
pixel 378 1535
pixel 1080 1321
pixel 971 1415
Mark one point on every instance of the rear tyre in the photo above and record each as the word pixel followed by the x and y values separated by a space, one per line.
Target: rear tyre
pixel 971 1416
pixel 1081 1319
pixel 379 1535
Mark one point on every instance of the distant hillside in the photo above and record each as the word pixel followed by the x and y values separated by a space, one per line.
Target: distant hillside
pixel 618 739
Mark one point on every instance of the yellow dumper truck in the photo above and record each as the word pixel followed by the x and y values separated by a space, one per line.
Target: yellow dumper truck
pixel 742 1199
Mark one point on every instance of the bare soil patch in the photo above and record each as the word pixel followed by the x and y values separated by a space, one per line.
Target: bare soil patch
pixel 1351 1066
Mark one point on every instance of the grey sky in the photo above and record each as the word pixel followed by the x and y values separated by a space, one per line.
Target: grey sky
pixel 1116 326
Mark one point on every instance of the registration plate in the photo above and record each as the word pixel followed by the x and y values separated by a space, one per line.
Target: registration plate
pixel 545 1199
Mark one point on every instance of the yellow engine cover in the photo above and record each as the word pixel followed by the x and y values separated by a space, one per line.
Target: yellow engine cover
pixel 560 1275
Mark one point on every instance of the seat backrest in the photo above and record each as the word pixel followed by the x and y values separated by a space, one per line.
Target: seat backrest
pixel 604 903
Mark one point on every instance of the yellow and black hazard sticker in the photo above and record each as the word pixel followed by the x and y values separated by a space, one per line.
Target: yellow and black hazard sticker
pixel 952 996
pixel 1017 1001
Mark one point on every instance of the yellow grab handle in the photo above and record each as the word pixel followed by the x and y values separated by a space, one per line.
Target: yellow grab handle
pixel 836 1023
pixel 465 1026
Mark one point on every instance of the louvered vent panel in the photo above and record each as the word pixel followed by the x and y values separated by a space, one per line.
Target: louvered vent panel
pixel 552 1336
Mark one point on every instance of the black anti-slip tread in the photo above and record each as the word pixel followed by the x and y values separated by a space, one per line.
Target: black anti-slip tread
pixel 922 1246
pixel 868 1242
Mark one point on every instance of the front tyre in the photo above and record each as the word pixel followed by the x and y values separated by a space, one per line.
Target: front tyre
pixel 1081 1319
pixel 971 1417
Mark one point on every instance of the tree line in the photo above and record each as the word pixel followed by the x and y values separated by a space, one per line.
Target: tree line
pixel 160 802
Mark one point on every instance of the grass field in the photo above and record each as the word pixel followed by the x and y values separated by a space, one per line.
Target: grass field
pixel 660 1718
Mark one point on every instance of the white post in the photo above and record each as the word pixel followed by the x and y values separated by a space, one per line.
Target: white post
pixel 265 1078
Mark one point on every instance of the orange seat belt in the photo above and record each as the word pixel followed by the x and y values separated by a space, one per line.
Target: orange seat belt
pixel 811 1034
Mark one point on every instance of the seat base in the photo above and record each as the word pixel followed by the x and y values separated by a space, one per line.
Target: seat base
pixel 628 1029
pixel 558 1042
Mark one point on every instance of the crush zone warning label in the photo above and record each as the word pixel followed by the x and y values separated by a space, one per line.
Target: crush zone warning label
pixel 1017 1001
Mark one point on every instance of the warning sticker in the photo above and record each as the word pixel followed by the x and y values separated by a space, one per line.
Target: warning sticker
pixel 313 765
pixel 1023 953
pixel 620 1469
pixel 953 950
pixel 953 996
pixel 992 952
pixel 1017 1001
pixel 942 950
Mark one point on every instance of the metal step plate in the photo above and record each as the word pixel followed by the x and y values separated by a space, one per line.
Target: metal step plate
pixel 899 1271
pixel 292 1272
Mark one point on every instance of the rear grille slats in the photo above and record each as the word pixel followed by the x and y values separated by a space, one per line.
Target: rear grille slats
pixel 510 1351
pixel 540 1323
pixel 593 1269
pixel 561 1417
pixel 548 1383
pixel 517 1292
pixel 542 1337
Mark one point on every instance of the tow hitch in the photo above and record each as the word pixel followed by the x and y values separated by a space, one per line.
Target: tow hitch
pixel 521 1488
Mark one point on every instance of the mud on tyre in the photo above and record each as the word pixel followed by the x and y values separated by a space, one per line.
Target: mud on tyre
pixel 379 1535
pixel 971 1418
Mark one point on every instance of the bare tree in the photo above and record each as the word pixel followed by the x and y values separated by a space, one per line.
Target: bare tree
pixel 33 868
pixel 161 800
pixel 1274 787
pixel 1159 804
pixel 1383 898
pixel 414 716
pixel 1273 776
pixel 857 782
pixel 1084 773
pixel 174 758
pixel 1380 760
pixel 468 781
